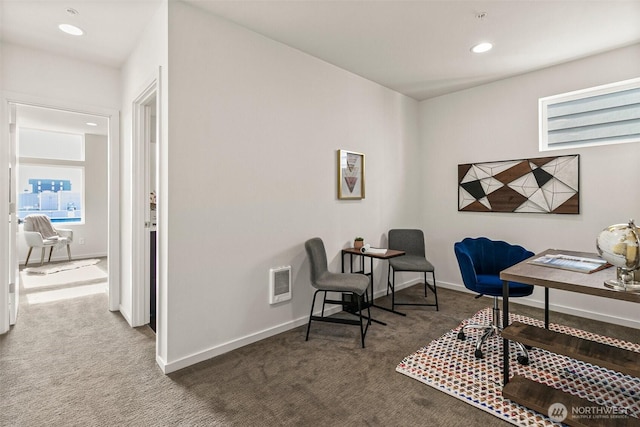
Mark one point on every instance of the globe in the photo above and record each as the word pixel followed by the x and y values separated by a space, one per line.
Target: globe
pixel 619 245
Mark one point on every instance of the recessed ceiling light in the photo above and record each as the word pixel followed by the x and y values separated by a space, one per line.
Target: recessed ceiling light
pixel 482 47
pixel 71 29
pixel 91 124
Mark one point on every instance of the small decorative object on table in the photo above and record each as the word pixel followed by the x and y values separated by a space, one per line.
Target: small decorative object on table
pixel 358 242
pixel 619 244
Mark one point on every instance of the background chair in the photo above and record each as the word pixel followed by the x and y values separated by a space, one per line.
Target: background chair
pixel 40 233
pixel 348 284
pixel 481 260
pixel 414 260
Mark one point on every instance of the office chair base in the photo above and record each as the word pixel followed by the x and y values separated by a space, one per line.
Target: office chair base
pixel 489 331
pixel 522 359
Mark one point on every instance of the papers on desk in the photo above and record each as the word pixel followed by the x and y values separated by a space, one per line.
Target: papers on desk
pixel 367 249
pixel 572 263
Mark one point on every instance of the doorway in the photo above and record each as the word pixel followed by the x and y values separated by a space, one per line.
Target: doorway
pixel 145 195
pixel 96 176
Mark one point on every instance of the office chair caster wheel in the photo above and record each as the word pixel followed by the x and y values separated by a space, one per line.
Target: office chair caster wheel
pixel 523 360
pixel 461 335
pixel 478 354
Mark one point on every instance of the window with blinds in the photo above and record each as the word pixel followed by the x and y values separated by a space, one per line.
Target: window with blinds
pixel 602 115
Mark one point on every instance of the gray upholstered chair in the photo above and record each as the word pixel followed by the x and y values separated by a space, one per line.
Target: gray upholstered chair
pixel 352 286
pixel 412 242
pixel 40 233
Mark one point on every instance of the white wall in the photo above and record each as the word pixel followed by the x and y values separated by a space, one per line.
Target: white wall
pixel 93 231
pixel 254 129
pixel 52 77
pixel 36 77
pixel 147 62
pixel 499 121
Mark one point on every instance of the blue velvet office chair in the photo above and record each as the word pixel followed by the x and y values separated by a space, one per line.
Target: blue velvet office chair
pixel 481 260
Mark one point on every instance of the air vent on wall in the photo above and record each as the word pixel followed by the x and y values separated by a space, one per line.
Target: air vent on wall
pixel 279 284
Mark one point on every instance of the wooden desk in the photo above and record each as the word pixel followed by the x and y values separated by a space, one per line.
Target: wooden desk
pixel 524 391
pixel 391 253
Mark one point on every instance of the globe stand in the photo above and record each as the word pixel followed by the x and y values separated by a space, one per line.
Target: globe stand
pixel 626 280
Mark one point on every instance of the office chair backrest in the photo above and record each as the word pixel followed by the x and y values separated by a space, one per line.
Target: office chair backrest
pixel 409 240
pixel 317 258
pixel 489 256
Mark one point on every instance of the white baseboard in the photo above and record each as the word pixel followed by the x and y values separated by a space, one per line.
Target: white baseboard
pixel 574 311
pixel 162 364
pixel 123 313
pixel 184 362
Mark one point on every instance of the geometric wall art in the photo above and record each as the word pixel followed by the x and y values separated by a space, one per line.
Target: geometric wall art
pixel 539 185
pixel 350 175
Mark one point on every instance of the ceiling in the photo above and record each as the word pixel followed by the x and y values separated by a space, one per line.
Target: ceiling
pixel 112 27
pixel 418 48
pixel 60 121
pixel 422 48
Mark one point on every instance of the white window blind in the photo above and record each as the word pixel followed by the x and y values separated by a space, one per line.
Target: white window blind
pixel 601 115
pixel 44 144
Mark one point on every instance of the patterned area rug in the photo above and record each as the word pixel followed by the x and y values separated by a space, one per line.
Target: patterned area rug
pixel 449 365
pixel 75 277
pixel 54 268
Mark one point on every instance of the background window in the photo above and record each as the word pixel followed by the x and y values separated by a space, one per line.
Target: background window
pixel 43 144
pixel 51 175
pixel 602 115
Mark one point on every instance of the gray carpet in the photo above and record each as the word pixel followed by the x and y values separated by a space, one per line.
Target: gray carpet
pixel 73 363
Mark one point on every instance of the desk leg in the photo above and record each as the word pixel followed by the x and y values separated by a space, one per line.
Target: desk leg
pixel 346 304
pixel 392 296
pixel 371 304
pixel 371 276
pixel 546 308
pixel 505 323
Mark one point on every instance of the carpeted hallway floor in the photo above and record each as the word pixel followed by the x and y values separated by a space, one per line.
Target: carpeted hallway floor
pixel 74 363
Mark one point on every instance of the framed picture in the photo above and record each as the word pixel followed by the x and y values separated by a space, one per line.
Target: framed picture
pixel 540 185
pixel 350 175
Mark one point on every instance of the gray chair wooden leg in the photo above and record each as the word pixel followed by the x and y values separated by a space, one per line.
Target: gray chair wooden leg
pixel 42 256
pixel 28 255
pixel 50 252
pixel 69 252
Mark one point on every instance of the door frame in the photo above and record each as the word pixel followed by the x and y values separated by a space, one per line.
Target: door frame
pixel 113 158
pixel 13 266
pixel 141 215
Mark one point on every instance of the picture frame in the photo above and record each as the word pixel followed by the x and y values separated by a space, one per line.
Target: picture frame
pixel 549 185
pixel 351 172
